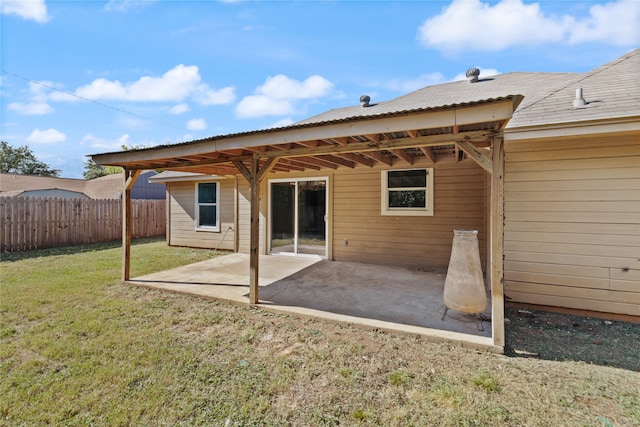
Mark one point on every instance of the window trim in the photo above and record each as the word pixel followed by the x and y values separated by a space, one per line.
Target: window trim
pixel 384 199
pixel 209 228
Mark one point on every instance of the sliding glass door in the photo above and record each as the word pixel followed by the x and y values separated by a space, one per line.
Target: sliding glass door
pixel 298 216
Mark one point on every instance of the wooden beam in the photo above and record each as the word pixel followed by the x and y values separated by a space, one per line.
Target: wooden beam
pixel 243 170
pixel 337 160
pixel 479 157
pixel 307 163
pixel 497 244
pixel 266 168
pixel 185 165
pixel 362 147
pixel 356 158
pixel 403 155
pixel 290 165
pixel 129 178
pixel 374 137
pixel 340 141
pixel 375 155
pixel 428 154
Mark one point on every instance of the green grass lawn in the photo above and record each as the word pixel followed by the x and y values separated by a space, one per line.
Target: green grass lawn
pixel 80 348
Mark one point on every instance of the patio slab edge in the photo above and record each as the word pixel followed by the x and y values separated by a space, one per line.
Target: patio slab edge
pixel 434 335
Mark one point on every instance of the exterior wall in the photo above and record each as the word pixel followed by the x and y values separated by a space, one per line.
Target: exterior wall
pixel 181 227
pixel 415 242
pixel 572 223
pixel 244 215
pixel 143 189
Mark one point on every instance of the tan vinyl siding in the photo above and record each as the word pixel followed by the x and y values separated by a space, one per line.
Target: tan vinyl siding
pixel 416 242
pixel 182 212
pixel 572 226
pixel 244 215
pixel 487 223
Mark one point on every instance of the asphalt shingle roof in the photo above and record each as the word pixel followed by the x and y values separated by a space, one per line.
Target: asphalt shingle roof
pixel 611 91
pixel 532 85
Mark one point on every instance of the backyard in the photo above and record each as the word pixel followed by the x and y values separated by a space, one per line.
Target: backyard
pixel 80 348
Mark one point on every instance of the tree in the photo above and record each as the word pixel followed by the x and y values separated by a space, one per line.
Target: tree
pixel 91 170
pixel 22 161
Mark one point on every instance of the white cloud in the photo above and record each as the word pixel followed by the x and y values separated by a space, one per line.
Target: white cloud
pixel 260 105
pixel 179 109
pixel 176 85
pixel 49 136
pixel 617 23
pixel 415 84
pixel 196 124
pixel 105 144
pixel 34 10
pixel 38 100
pixel 125 5
pixel 207 96
pixel 31 108
pixel 473 25
pixel 282 87
pixel 282 123
pixel 279 94
pixel 59 96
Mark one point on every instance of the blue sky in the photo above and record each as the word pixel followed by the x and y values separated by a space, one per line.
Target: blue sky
pixel 85 77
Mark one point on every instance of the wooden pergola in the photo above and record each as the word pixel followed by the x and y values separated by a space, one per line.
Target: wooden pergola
pixel 473 130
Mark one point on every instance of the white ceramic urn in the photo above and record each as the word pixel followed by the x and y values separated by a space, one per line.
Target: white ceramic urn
pixel 464 286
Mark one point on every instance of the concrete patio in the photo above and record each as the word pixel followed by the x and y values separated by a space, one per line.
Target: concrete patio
pixel 372 296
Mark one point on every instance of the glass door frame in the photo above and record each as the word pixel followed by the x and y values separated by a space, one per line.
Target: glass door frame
pixel 295 225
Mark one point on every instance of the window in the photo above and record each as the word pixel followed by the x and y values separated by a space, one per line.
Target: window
pixel 407 192
pixel 207 212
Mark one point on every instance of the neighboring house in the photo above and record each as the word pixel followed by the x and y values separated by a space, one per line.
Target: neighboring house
pixel 551 182
pixel 104 187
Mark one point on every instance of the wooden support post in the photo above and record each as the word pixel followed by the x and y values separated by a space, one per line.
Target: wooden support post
pixel 497 243
pixel 254 175
pixel 254 260
pixel 129 178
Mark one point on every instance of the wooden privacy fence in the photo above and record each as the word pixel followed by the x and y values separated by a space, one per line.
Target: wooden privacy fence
pixel 28 223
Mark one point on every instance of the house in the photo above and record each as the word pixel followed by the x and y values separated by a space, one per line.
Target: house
pixel 104 187
pixel 546 166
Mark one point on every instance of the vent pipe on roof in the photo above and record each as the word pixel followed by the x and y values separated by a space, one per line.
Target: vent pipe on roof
pixel 579 102
pixel 472 74
pixel 364 100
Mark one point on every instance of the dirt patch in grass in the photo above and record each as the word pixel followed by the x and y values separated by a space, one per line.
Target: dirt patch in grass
pixel 561 336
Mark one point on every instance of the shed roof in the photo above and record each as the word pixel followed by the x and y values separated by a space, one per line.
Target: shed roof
pixel 382 135
pixel 16 182
pixel 104 187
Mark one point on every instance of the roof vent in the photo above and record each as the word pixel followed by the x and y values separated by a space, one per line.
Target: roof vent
pixel 579 102
pixel 472 74
pixel 364 100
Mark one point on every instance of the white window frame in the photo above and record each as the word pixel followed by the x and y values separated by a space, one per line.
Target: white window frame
pixel 426 211
pixel 210 228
